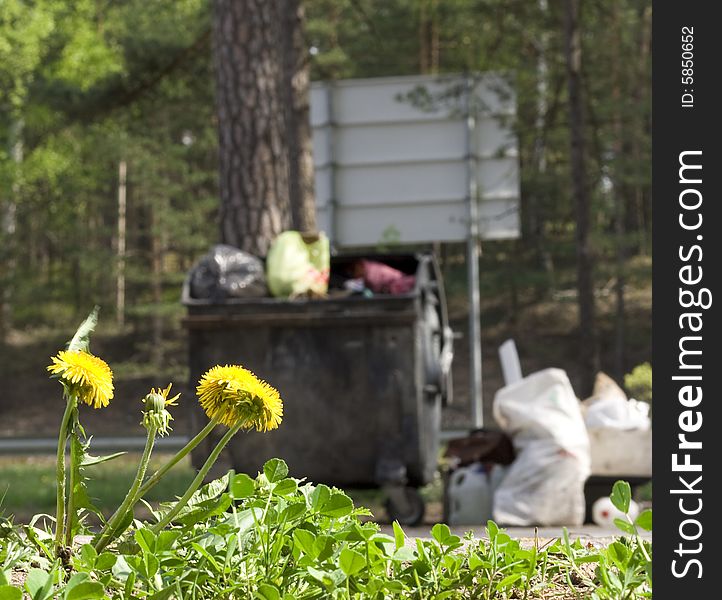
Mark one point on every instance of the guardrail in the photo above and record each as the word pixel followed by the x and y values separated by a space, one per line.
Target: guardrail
pixel 98 444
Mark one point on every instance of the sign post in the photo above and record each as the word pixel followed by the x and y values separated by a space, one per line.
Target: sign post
pixel 473 252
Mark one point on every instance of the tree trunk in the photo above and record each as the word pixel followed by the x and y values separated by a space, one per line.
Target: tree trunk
pixel 266 170
pixel 620 193
pixel 298 123
pixel 255 204
pixel 588 352
pixel 120 249
pixel 8 222
pixel 157 250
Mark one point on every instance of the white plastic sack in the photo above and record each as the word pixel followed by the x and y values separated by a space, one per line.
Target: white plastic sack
pixel 618 413
pixel 543 406
pixel 545 484
pixel 609 407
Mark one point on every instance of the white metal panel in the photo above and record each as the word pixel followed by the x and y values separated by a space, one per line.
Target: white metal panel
pixel 364 226
pixel 499 219
pixel 322 145
pixel 323 180
pixel 498 178
pixel 319 104
pixel 323 218
pixel 390 156
pixel 393 100
pixel 410 184
pixel 492 139
pixel 399 142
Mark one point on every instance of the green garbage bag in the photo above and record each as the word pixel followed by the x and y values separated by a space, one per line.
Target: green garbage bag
pixel 298 265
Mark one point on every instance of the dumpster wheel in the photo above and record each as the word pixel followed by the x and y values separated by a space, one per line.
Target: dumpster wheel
pixel 405 505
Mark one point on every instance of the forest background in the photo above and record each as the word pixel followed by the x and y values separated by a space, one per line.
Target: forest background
pixel 109 178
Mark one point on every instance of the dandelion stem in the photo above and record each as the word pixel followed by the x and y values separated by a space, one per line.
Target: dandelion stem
pixel 180 455
pixel 60 472
pixel 71 487
pixel 196 483
pixel 110 531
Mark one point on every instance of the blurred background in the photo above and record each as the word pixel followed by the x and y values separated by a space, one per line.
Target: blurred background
pixel 110 187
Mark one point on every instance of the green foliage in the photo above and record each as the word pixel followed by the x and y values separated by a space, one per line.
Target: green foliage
pixel 639 382
pixel 84 85
pixel 280 537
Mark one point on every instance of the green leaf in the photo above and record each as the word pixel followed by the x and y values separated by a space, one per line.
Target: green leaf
pixel 625 526
pixel 81 339
pixel 129 583
pixel 121 570
pixel 320 496
pixel 165 540
pixel 275 470
pixel 322 547
pixel 293 512
pixel 476 562
pixel 285 487
pixel 10 592
pixel 399 536
pixel 338 505
pixel 618 554
pixel 644 520
pixel 89 460
pixel 105 561
pixel 88 555
pixel 150 566
pixel 508 581
pixel 441 532
pixel 75 580
pixel 124 522
pixel 3 578
pixel 266 591
pixel 86 591
pixel 38 584
pixel 492 529
pixel 242 486
pixel 319 575
pixel 146 540
pixel 404 554
pixel 164 594
pixel 246 519
pixel 304 540
pixel 205 510
pixel 351 562
pixel 621 496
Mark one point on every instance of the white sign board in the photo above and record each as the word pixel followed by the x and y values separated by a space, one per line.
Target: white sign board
pixel 397 159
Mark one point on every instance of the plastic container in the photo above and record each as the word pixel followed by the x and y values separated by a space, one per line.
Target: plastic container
pixel 604 512
pixel 470 494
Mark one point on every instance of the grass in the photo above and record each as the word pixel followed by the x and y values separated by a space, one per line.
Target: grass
pixel 27 486
pixel 28 483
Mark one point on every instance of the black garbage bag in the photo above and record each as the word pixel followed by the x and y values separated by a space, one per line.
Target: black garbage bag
pixel 227 272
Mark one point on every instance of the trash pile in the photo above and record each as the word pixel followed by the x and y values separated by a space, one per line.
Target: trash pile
pixel 609 408
pixel 547 438
pixel 545 484
pixel 297 266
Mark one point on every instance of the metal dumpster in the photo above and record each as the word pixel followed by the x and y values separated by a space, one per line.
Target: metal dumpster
pixel 362 379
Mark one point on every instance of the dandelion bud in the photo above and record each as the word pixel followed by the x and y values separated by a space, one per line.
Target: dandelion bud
pixel 156 412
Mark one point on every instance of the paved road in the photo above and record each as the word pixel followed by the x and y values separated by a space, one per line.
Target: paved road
pixel 587 533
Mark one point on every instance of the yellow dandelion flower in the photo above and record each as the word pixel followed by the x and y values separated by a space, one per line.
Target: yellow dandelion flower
pixel 85 375
pixel 235 396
